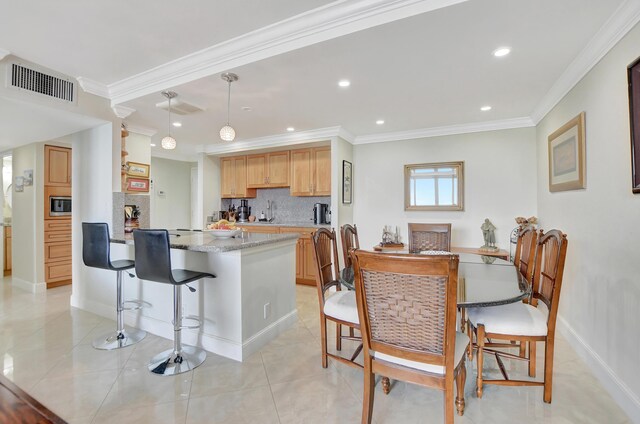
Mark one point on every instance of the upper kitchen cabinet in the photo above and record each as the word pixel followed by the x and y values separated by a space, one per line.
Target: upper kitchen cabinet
pixel 57 166
pixel 311 172
pixel 234 178
pixel 268 170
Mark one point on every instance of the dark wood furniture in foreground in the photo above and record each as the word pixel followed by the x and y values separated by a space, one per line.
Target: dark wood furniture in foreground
pixel 429 237
pixel 17 407
pixel 349 237
pixel 341 306
pixel 407 309
pixel 523 322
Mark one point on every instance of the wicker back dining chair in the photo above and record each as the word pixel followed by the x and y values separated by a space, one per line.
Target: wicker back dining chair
pixel 407 309
pixel 349 236
pixel 429 237
pixel 339 307
pixel 524 258
pixel 525 322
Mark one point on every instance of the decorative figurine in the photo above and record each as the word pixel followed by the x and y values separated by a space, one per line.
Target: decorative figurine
pixel 488 232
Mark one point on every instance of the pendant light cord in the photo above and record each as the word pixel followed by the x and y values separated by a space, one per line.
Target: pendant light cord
pixel 229 102
pixel 169 115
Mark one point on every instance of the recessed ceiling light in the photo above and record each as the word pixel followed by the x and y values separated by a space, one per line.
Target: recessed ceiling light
pixel 501 51
pixel 485 108
pixel 153 145
pixel 177 124
pixel 290 129
pixel 344 83
pixel 246 108
pixel 380 121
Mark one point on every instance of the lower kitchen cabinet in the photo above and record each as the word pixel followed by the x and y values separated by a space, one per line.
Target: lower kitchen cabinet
pixel 57 252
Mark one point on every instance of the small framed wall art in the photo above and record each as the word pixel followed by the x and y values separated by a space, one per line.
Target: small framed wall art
pixel 347 182
pixel 140 170
pixel 567 167
pixel 138 184
pixel 633 75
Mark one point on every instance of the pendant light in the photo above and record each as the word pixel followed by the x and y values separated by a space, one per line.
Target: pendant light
pixel 169 142
pixel 227 133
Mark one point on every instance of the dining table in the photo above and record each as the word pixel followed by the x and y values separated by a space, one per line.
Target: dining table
pixel 482 281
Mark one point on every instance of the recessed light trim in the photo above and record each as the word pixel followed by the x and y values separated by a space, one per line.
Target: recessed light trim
pixel 344 83
pixel 153 144
pixel 290 129
pixel 177 124
pixel 246 108
pixel 485 108
pixel 380 122
pixel 501 51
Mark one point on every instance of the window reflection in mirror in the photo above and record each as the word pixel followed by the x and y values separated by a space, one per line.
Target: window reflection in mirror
pixel 434 186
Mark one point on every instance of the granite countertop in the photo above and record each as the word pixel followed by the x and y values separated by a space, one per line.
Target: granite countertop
pixel 277 223
pixel 205 242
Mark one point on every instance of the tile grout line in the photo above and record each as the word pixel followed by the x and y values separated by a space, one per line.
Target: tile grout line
pixel 275 405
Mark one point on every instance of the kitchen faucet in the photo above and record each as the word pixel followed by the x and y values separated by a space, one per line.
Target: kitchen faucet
pixel 270 211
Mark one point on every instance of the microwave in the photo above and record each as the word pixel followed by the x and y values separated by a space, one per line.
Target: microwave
pixel 59 205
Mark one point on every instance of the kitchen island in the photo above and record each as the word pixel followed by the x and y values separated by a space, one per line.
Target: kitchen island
pixel 250 302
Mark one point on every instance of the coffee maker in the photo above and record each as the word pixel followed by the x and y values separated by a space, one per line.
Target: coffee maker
pixel 321 213
pixel 244 211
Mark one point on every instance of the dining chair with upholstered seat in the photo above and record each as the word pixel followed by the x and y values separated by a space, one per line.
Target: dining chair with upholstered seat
pixel 429 237
pixel 525 322
pixel 525 251
pixel 339 307
pixel 407 309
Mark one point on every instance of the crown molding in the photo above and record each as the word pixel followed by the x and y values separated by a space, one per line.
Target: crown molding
pixel 504 124
pixel 278 140
pixel 4 53
pixel 122 111
pixel 94 87
pixel 617 26
pixel 141 129
pixel 159 152
pixel 346 135
pixel 333 20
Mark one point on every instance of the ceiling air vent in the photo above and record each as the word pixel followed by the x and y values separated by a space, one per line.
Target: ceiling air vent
pixel 30 79
pixel 180 107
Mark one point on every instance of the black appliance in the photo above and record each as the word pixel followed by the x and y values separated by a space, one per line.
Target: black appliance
pixel 59 205
pixel 321 213
pixel 244 211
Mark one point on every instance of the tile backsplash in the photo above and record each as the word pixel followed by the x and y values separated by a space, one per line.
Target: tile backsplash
pixel 121 199
pixel 286 208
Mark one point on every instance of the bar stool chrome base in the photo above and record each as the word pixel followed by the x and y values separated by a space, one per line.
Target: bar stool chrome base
pixel 168 363
pixel 119 339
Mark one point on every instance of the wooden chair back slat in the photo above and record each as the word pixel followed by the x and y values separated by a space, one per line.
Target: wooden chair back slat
pixel 525 251
pixel 551 253
pixel 429 237
pixel 349 236
pixel 326 261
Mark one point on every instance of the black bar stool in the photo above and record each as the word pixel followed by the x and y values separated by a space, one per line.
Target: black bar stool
pixel 96 254
pixel 153 263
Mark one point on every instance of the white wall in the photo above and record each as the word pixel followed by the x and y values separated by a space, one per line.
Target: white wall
pixel 601 290
pixel 341 213
pixel 209 181
pixel 500 184
pixel 139 148
pixel 173 209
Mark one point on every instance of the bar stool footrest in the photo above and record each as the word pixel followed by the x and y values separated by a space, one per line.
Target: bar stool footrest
pixel 191 318
pixel 137 304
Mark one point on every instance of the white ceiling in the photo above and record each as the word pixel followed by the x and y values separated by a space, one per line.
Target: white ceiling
pixel 430 70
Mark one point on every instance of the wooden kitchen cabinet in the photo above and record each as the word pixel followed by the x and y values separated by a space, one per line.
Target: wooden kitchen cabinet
pixel 305 260
pixel 57 166
pixel 234 178
pixel 266 229
pixel 268 170
pixel 57 251
pixel 311 172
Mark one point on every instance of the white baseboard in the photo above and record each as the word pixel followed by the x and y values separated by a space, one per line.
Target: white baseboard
pixel 619 391
pixel 220 346
pixel 26 285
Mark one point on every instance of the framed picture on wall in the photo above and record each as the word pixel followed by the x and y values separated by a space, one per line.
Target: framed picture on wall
pixel 633 74
pixel 136 169
pixel 138 184
pixel 567 168
pixel 347 182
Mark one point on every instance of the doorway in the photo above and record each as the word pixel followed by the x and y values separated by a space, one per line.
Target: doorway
pixel 7 178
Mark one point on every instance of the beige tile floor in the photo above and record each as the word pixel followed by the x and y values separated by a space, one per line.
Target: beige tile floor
pixel 46 349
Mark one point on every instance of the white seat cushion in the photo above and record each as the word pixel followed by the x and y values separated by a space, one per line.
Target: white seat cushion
pixel 518 319
pixel 342 305
pixel 462 341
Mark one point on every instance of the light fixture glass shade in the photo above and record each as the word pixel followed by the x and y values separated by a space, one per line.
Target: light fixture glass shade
pixel 227 133
pixel 168 143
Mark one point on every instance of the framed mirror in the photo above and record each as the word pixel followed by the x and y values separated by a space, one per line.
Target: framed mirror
pixel 434 186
